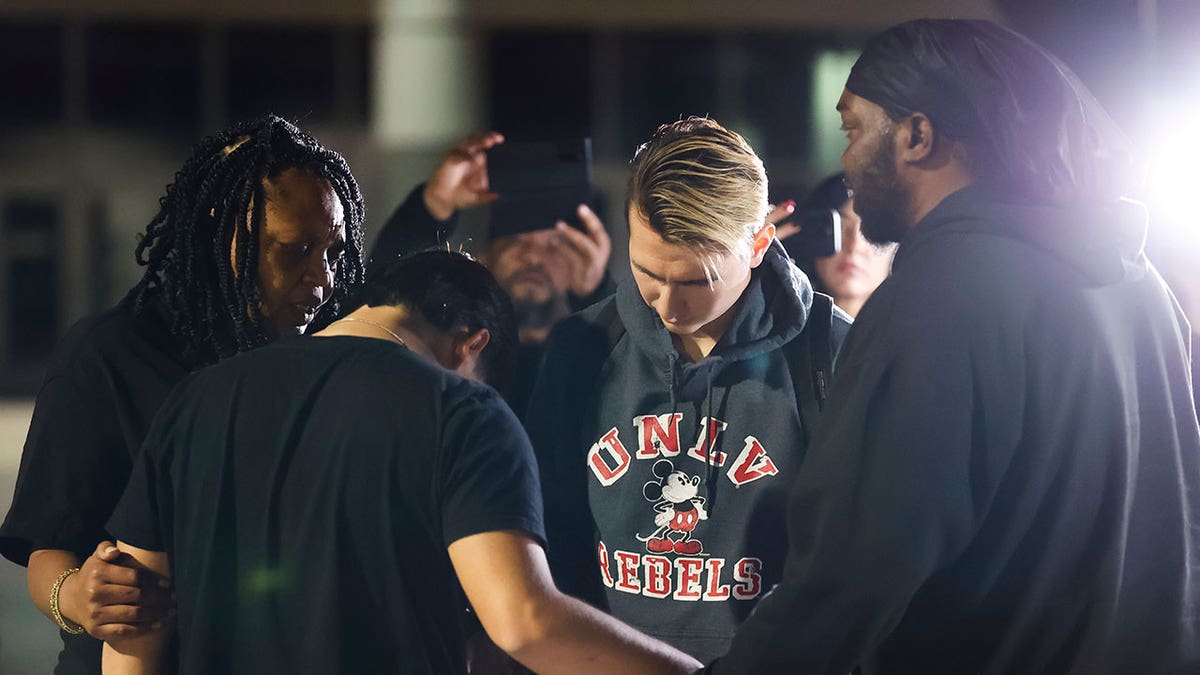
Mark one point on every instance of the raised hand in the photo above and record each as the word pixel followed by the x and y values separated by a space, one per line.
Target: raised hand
pixel 586 252
pixel 779 216
pixel 461 180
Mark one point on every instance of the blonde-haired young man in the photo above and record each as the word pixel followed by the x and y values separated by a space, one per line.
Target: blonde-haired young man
pixel 670 419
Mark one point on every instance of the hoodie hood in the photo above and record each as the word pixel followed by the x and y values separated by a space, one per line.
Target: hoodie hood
pixel 771 311
pixel 1104 244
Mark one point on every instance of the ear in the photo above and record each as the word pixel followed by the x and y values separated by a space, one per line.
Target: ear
pixel 652 491
pixel 762 241
pixel 467 346
pixel 662 468
pixel 915 138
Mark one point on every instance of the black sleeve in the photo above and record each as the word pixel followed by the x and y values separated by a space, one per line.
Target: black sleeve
pixel 410 228
pixel 73 466
pixel 137 519
pixel 488 474
pixel 552 419
pixel 144 514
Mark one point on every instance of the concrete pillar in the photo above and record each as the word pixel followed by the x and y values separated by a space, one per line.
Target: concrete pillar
pixel 427 90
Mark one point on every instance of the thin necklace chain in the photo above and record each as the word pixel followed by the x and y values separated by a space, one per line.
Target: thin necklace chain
pixel 385 329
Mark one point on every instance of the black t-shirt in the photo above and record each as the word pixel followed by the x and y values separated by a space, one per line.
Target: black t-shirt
pixel 306 494
pixel 109 375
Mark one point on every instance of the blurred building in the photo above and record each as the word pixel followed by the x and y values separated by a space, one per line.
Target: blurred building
pixel 103 98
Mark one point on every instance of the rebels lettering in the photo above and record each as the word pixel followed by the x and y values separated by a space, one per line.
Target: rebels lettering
pixel 686 578
pixel 687 585
pixel 658 434
pixel 746 572
pixel 627 572
pixel 604 575
pixel 658 576
pixel 714 590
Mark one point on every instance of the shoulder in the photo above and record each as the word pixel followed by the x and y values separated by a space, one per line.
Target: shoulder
pixel 111 335
pixel 961 294
pixel 471 404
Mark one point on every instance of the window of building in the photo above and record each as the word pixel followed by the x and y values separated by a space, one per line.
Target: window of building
pixel 541 84
pixel 664 76
pixel 295 71
pixel 31 228
pixel 143 75
pixel 32 75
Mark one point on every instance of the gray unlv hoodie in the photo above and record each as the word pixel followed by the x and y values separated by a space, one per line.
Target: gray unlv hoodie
pixel 637 522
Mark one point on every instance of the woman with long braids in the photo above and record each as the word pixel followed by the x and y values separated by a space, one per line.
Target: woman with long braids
pixel 258 237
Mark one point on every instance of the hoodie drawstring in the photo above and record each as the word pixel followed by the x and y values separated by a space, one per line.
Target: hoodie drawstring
pixel 710 475
pixel 671 367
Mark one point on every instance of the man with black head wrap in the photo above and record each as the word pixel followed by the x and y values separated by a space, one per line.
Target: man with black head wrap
pixel 1007 475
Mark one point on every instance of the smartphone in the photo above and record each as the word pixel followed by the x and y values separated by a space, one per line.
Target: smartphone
pixel 539 183
pixel 820 234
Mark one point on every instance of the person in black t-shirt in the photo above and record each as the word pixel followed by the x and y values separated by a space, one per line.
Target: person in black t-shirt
pixel 259 235
pixel 317 503
pixel 548 269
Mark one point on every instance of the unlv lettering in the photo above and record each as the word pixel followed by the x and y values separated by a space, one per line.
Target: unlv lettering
pixel 658 437
pixel 658 434
pixel 610 445
pixel 705 447
pixel 752 464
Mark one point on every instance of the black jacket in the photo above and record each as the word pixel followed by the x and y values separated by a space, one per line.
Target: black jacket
pixel 1007 475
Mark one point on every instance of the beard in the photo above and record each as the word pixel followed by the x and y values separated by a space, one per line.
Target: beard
pixel 536 301
pixel 534 314
pixel 879 199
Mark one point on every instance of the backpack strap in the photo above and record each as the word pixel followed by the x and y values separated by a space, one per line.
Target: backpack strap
pixel 810 360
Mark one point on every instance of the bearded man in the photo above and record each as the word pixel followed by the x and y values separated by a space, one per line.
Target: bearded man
pixel 1006 478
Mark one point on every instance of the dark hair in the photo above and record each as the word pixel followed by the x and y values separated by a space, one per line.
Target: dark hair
pixel 831 194
pixel 213 310
pixel 1029 125
pixel 451 290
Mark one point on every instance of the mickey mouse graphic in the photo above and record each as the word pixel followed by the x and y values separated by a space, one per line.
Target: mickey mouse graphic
pixel 679 508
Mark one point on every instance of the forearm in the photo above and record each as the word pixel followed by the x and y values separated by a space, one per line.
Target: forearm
pixel 560 634
pixel 45 566
pixel 136 656
pixel 142 653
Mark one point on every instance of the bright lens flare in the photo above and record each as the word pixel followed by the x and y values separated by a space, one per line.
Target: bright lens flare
pixel 1172 179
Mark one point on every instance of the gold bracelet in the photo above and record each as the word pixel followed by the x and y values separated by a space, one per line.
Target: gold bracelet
pixel 65 625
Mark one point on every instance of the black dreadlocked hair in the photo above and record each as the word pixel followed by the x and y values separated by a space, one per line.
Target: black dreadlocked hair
pixel 213 310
